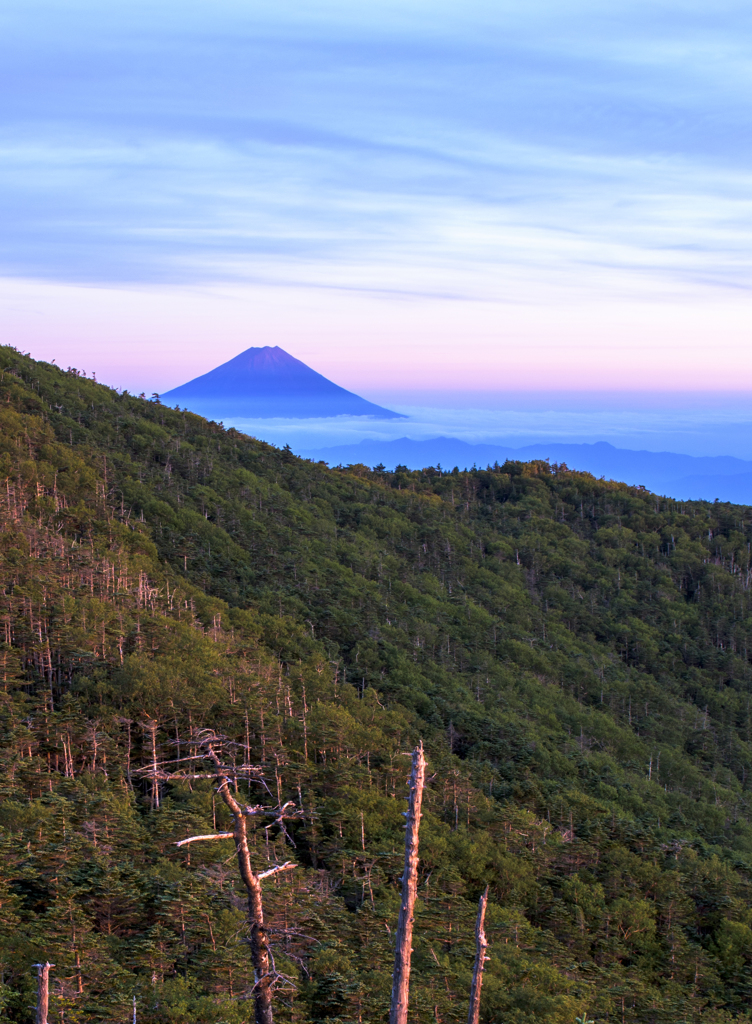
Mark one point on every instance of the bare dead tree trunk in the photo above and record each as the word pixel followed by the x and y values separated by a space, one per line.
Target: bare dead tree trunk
pixel 43 991
pixel 264 977
pixel 262 989
pixel 403 952
pixel 481 945
pixel 151 727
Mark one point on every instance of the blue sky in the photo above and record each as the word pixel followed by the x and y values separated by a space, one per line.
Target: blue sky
pixel 405 195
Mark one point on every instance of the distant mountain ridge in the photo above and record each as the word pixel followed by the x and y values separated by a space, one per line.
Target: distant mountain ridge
pixel 684 477
pixel 268 382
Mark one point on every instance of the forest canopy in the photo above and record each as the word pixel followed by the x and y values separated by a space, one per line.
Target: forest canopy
pixel 574 654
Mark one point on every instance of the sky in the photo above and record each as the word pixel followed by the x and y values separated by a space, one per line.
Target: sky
pixel 417 199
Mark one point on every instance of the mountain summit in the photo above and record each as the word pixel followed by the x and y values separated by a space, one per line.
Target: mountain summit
pixel 266 382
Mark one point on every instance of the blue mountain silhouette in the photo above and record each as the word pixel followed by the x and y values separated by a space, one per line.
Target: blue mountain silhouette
pixel 269 382
pixel 684 477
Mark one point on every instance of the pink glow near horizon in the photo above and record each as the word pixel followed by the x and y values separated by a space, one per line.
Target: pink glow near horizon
pixel 498 197
pixel 154 339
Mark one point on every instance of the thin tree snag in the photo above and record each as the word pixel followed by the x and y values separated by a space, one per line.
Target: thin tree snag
pixel 223 775
pixel 481 945
pixel 262 989
pixel 403 951
pixel 43 991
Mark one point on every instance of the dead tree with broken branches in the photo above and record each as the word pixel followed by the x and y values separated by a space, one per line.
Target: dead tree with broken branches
pixel 209 763
pixel 43 991
pixel 404 944
pixel 481 945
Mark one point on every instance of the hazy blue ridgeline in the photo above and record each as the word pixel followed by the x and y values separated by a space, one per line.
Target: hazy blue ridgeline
pixel 290 403
pixel 679 476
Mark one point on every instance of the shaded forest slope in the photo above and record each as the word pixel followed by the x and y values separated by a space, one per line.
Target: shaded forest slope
pixel 574 653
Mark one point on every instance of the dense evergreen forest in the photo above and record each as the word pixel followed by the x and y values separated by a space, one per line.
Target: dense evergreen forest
pixel 574 654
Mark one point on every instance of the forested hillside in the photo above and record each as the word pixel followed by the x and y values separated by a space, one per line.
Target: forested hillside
pixel 574 654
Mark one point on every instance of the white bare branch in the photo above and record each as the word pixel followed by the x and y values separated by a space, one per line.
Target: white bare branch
pixel 287 866
pixel 278 813
pixel 195 839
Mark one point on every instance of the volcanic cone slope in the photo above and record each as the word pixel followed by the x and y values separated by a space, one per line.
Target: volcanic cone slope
pixel 269 382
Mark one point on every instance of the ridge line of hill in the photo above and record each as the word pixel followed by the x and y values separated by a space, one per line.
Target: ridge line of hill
pixel 683 477
pixel 574 653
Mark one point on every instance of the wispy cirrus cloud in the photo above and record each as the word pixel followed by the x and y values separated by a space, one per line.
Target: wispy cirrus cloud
pixel 488 153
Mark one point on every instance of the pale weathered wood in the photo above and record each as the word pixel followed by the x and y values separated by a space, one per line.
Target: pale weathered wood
pixel 264 977
pixel 262 988
pixel 43 991
pixel 196 839
pixel 403 951
pixel 481 945
pixel 287 866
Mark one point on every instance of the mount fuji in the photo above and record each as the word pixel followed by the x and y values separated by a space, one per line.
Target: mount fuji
pixel 269 382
